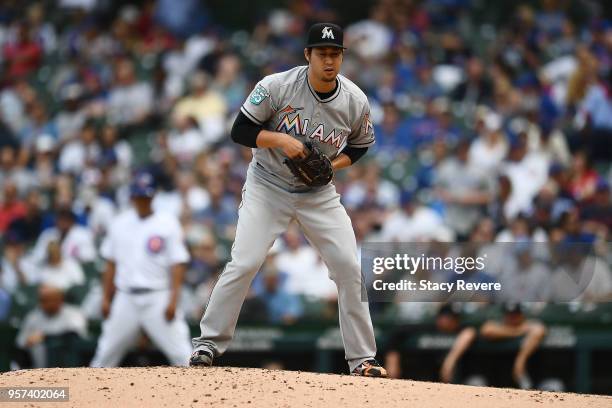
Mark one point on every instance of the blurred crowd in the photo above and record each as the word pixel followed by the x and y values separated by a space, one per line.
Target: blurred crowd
pixel 487 131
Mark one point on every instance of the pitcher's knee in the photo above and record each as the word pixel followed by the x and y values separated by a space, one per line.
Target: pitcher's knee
pixel 345 272
pixel 244 267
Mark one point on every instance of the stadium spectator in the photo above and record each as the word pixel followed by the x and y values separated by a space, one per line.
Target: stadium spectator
pixel 81 153
pixel 392 132
pixel 39 126
pixel 371 190
pixel 230 82
pixel 306 273
pixel 119 152
pixel 204 257
pixel 371 38
pixel 76 241
pixel 464 190
pixel 523 278
pixel 52 317
pixel 554 144
pixel 130 102
pixel 527 173
pixel 7 138
pixel 15 268
pixel 598 212
pixel 476 88
pixel 413 222
pixel 71 118
pixel 23 53
pixel 96 210
pixel 583 177
pixel 11 207
pixel 519 230
pixel 490 148
pixel 45 163
pixel 187 140
pixel 220 215
pixel 283 307
pixel 59 272
pixel 204 104
pixel 42 31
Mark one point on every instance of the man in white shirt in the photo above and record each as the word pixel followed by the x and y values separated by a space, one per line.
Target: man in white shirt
pixel 59 271
pixel 145 257
pixel 80 153
pixel 51 318
pixel 306 272
pixel 528 172
pixel 76 240
pixel 413 222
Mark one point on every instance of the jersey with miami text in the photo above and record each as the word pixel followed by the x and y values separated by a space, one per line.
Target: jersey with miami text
pixel 286 103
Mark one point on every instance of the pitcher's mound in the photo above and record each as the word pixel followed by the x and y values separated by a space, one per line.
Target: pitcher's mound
pixel 250 387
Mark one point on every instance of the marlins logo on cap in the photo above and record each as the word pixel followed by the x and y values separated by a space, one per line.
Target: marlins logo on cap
pixel 325 35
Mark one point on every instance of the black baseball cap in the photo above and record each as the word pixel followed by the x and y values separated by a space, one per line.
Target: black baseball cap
pixel 325 35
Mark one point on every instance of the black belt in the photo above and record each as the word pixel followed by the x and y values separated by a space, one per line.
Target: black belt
pixel 139 291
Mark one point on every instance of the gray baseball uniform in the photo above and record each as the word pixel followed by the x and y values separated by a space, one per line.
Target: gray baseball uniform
pixel 273 197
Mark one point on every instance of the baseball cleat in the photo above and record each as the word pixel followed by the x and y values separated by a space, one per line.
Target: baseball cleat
pixel 201 358
pixel 370 368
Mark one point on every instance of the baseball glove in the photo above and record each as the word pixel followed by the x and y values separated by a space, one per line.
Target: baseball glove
pixel 315 169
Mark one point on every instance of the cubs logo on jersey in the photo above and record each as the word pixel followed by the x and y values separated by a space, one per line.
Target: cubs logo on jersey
pixel 155 244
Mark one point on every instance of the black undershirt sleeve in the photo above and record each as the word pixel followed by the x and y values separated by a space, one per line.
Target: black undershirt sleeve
pixel 245 131
pixel 354 153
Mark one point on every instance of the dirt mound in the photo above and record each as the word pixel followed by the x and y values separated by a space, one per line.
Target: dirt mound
pixel 250 387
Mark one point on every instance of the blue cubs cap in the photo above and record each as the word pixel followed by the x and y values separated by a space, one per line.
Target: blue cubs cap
pixel 325 35
pixel 142 185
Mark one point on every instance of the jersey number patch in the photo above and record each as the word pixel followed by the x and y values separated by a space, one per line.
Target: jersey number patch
pixel 258 95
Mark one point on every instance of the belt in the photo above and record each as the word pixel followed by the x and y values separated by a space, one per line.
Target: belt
pixel 139 291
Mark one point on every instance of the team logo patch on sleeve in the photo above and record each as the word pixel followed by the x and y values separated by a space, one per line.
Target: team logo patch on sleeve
pixel 155 244
pixel 258 95
pixel 367 124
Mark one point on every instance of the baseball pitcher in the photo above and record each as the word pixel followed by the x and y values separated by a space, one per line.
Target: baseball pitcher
pixel 303 124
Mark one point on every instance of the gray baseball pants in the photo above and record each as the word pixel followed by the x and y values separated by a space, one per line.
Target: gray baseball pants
pixel 265 213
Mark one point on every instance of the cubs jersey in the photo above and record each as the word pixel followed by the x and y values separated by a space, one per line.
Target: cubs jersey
pixel 144 249
pixel 287 103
